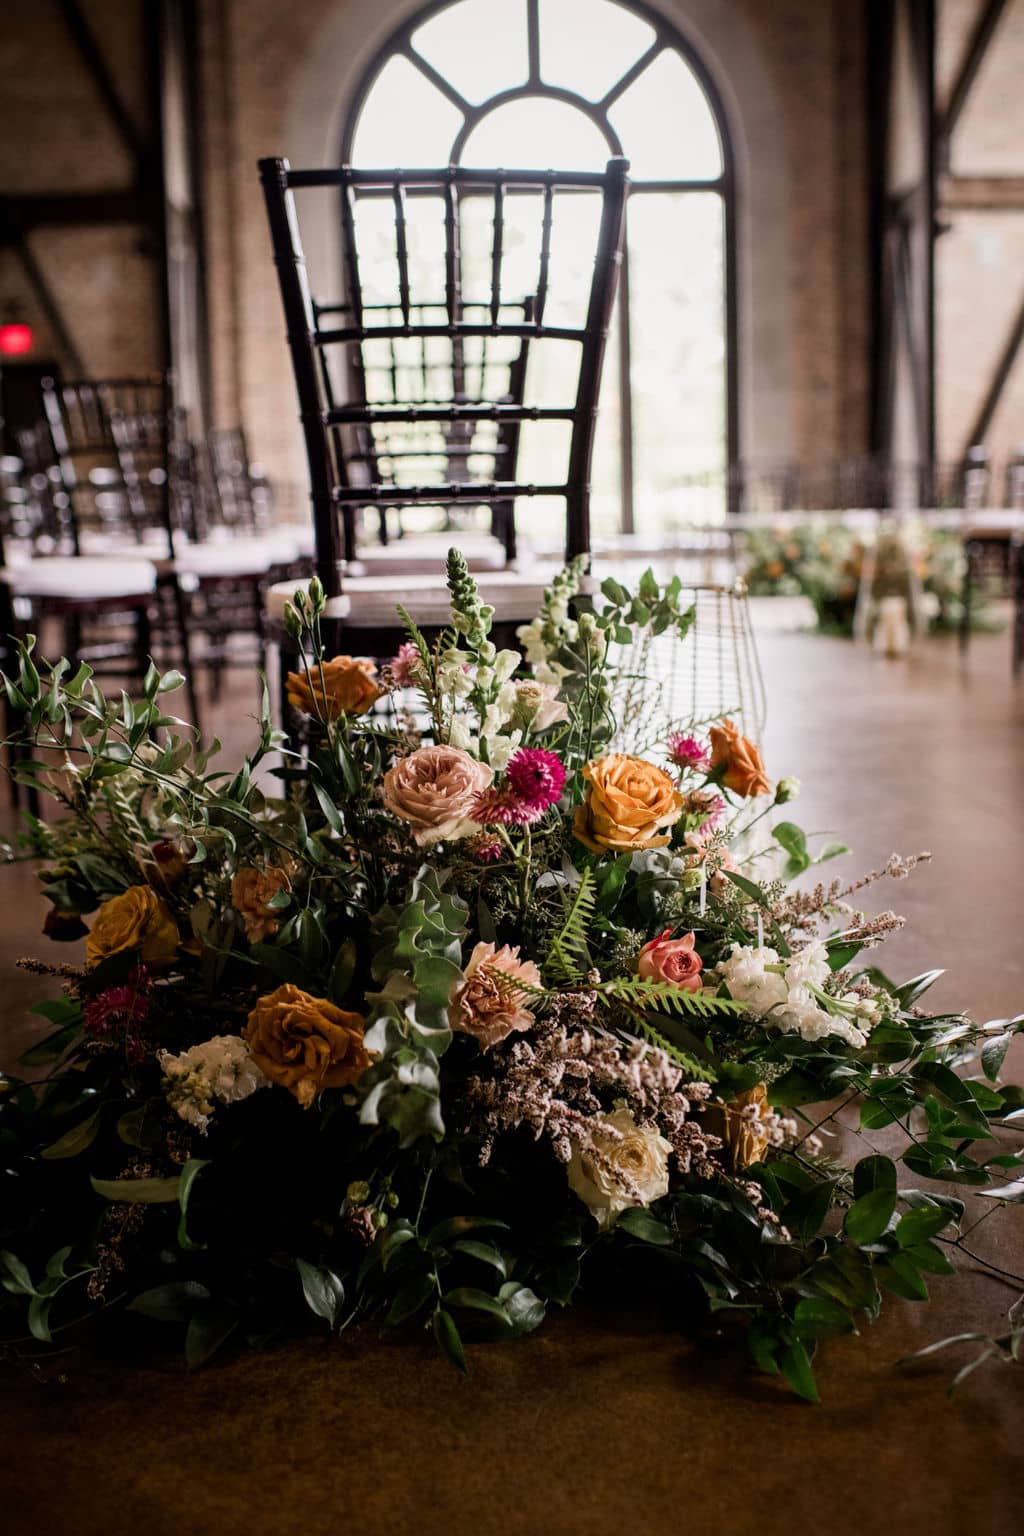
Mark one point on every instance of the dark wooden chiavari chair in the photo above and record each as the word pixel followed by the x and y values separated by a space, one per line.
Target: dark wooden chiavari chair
pixel 477 426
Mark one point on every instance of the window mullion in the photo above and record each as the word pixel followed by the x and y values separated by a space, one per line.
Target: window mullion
pixel 628 519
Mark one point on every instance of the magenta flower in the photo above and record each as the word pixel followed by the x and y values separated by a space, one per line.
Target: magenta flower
pixel 501 808
pixel 485 849
pixel 115 1015
pixel 536 777
pixel 688 753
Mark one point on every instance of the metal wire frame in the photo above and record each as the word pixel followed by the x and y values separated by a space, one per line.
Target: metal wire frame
pixel 665 37
pixel 330 489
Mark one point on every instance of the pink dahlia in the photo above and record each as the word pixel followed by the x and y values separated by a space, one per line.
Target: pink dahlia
pixel 536 777
pixel 688 753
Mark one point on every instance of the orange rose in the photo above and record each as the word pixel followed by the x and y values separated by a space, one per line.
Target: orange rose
pixel 137 919
pixel 481 1005
pixel 251 891
pixel 628 804
pixel 348 688
pixel 744 766
pixel 305 1044
pixel 744 1134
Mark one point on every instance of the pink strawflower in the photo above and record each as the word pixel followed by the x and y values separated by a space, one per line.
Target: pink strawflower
pixel 704 802
pixel 688 753
pixel 487 850
pixel 406 666
pixel 536 777
pixel 502 808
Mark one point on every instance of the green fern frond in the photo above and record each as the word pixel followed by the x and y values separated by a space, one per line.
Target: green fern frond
pixel 696 1071
pixel 662 996
pixel 567 955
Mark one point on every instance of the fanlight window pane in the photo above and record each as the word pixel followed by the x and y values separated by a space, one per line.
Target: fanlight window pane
pixel 587 46
pixel 676 260
pixel 479 46
pixel 401 95
pixel 666 125
pixel 537 135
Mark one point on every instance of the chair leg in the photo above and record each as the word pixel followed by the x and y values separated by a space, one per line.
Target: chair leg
pixel 181 620
pixel 966 597
pixel 1018 610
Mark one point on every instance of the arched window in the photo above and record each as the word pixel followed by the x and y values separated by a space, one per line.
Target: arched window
pixel 565 84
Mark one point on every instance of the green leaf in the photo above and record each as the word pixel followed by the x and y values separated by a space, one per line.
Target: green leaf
pixel 874 1173
pixel 332 815
pixel 525 1309
pixel 139 1191
pixel 793 840
pixel 194 1166
pixel 482 1251
pixel 640 1223
pixel 1012 1193
pixel 324 1292
pixel 410 1300
pixel 993 1054
pixel 919 1225
pixel 869 1216
pixel 17 1279
pixel 74 1141
pixel 795 1363
pixel 210 1325
pixel 448 1340
pixel 478 1301
pixel 39 1318
pixel 170 1303
pixel 899 1274
pixel 342 971
pixel 816 1318
pixel 458 1226
pixel 911 990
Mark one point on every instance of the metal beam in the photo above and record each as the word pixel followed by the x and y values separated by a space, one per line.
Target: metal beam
pixel 120 205
pixel 48 304
pixel 1004 367
pixel 91 53
pixel 984 28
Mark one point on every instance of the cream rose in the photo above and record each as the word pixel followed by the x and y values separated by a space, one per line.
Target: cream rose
pixel 615 1172
pixel 483 1004
pixel 433 789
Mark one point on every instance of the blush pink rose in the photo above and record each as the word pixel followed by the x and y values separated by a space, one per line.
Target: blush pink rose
pixel 672 960
pixel 434 790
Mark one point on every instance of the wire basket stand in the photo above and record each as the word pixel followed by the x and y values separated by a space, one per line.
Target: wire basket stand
pixel 665 683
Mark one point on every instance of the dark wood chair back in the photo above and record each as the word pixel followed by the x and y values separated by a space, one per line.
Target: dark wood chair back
pixel 451 419
pixel 242 498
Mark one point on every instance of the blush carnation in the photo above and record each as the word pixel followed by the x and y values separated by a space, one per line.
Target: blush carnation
pixel 687 752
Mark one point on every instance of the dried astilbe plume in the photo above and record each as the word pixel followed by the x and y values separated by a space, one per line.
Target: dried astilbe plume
pixel 568 1071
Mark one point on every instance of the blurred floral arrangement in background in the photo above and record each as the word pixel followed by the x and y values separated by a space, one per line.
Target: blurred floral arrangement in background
pixel 446 1012
pixel 824 561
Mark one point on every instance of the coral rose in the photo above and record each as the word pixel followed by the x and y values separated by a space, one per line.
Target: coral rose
pixel 745 1135
pixel 672 960
pixel 434 790
pixel 483 1004
pixel 348 688
pixel 744 767
pixel 251 890
pixel 306 1044
pixel 617 1171
pixel 628 804
pixel 137 919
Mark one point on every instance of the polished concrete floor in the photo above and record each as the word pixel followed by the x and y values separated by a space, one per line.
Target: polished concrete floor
pixel 599 1424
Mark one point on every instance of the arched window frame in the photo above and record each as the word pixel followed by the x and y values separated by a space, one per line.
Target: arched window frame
pixel 666 36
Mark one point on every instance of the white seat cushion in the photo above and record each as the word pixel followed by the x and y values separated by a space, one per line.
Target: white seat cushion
pixel 81 577
pixel 424 553
pixel 372 600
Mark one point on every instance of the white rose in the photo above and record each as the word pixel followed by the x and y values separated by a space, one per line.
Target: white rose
pixel 632 1169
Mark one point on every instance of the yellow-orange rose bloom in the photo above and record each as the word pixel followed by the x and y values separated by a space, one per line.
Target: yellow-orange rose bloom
pixel 251 889
pixel 744 766
pixel 628 804
pixel 744 1134
pixel 137 919
pixel 348 688
pixel 306 1044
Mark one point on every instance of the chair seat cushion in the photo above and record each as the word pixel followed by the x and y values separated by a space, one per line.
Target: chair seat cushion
pixel 371 601
pixel 423 554
pixel 81 578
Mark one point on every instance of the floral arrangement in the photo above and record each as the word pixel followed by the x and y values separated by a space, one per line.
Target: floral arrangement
pixel 823 561
pixel 447 1012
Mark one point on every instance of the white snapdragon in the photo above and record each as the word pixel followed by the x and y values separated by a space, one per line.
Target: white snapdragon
pixel 219 1070
pixel 781 992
